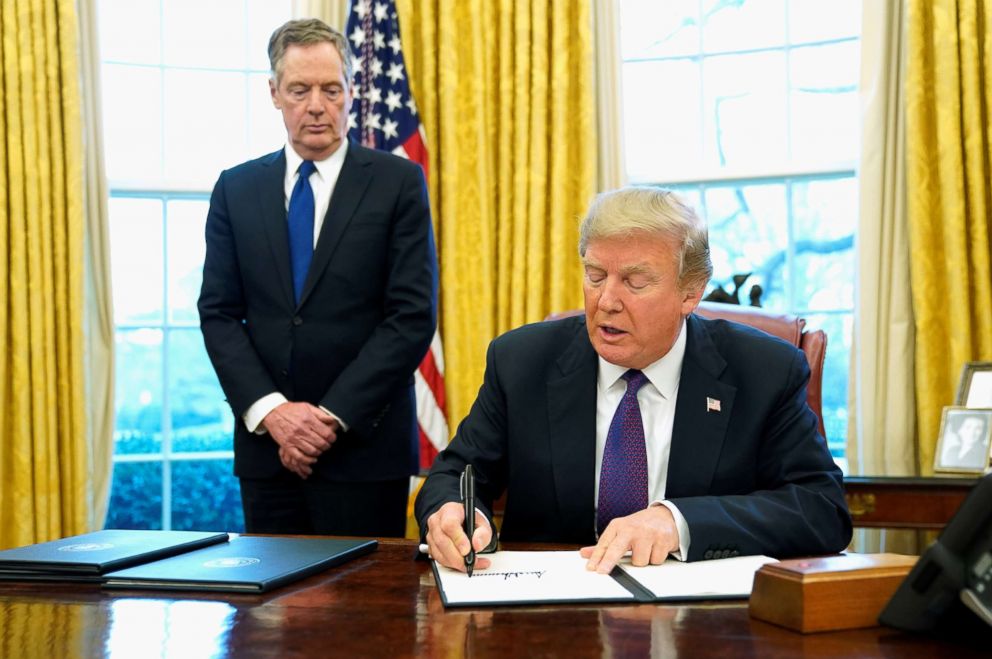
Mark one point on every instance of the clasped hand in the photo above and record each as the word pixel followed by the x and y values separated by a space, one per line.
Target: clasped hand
pixel 303 431
pixel 650 535
pixel 446 539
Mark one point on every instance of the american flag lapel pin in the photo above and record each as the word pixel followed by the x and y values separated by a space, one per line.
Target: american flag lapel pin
pixel 712 404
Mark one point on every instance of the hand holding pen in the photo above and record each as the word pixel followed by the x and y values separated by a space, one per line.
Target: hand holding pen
pixel 468 501
pixel 447 540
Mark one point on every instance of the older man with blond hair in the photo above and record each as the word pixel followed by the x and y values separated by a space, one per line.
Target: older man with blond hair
pixel 641 427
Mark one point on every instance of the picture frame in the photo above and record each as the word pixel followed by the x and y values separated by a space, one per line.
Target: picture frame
pixel 965 443
pixel 975 387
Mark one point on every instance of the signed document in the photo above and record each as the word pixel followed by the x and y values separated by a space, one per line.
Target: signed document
pixel 529 577
pixel 543 577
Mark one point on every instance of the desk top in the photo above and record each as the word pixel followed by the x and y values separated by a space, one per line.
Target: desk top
pixel 386 604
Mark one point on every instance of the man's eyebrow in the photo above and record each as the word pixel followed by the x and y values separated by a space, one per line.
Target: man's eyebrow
pixel 638 269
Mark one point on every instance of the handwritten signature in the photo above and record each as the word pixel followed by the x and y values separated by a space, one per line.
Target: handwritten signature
pixel 511 575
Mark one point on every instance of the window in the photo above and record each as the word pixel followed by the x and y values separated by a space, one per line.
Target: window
pixel 750 109
pixel 184 96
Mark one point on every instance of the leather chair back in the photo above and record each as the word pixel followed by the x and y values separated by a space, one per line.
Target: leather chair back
pixel 784 326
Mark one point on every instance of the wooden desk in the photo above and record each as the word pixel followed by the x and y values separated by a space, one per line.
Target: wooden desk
pixel 905 503
pixel 386 604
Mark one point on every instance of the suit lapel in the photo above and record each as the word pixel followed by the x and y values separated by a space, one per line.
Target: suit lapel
pixel 698 431
pixel 271 178
pixel 572 420
pixel 352 182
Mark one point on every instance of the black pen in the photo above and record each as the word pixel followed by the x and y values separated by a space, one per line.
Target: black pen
pixel 468 500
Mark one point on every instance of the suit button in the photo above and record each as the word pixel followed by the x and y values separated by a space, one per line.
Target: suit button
pixel 284 372
pixel 726 553
pixel 734 553
pixel 708 554
pixel 297 321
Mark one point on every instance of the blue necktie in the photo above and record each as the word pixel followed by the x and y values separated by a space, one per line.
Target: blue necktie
pixel 300 220
pixel 623 476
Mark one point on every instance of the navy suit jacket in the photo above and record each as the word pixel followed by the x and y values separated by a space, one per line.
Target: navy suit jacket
pixel 752 478
pixel 365 318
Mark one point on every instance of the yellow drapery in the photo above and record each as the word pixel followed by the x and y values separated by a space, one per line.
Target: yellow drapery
pixel 43 457
pixel 949 151
pixel 505 92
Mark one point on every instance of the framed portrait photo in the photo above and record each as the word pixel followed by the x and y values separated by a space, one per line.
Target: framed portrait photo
pixel 975 387
pixel 965 443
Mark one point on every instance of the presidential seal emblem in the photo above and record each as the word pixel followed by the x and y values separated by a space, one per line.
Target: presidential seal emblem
pixel 233 561
pixel 87 546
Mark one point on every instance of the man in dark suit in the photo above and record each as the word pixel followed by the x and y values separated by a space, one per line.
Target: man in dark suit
pixel 641 427
pixel 318 302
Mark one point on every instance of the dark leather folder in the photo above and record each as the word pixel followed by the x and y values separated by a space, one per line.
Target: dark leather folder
pixel 86 557
pixel 246 564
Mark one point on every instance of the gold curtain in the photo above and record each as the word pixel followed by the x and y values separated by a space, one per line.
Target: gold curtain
pixel 505 92
pixel 949 151
pixel 43 457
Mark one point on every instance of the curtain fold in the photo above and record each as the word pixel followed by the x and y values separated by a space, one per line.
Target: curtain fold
pixel 881 429
pixel 44 460
pixel 98 311
pixel 881 436
pixel 505 92
pixel 332 12
pixel 609 92
pixel 949 151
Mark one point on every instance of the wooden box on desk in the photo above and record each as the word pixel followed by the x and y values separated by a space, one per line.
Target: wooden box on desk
pixel 845 591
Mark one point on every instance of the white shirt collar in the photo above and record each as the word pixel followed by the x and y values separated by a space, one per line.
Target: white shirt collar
pixel 333 162
pixel 663 374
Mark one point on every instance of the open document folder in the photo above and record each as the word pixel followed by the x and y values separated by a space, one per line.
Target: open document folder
pixel 545 577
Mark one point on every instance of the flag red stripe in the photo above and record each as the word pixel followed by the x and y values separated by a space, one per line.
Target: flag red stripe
pixel 416 150
pixel 432 376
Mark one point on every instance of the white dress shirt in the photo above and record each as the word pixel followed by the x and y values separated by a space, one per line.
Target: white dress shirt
pixel 657 402
pixel 322 181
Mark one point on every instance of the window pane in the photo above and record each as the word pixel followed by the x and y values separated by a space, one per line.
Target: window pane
pixel 129 31
pixel 201 417
pixel 661 118
pixel 138 391
pixel 816 20
pixel 749 234
pixel 186 249
pixel 136 259
pixel 268 132
pixel 659 29
pixel 824 114
pixel 743 24
pixel 264 16
pixel 205 129
pixel 206 496
pixel 136 496
pixel 133 139
pixel 825 215
pixel 205 34
pixel 836 368
pixel 744 110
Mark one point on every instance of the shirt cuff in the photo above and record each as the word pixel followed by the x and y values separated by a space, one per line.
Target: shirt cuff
pixel 260 409
pixel 344 426
pixel 683 529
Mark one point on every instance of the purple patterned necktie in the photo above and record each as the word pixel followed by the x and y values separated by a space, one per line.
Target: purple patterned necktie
pixel 623 478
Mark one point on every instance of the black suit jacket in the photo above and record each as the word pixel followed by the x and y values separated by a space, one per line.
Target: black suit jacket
pixel 753 478
pixel 365 319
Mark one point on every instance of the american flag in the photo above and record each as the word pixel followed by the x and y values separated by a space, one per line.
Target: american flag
pixel 384 116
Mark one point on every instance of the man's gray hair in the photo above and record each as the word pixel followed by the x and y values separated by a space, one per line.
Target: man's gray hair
pixel 307 32
pixel 632 210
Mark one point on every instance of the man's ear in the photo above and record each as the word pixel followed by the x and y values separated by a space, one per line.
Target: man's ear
pixel 272 94
pixel 691 299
